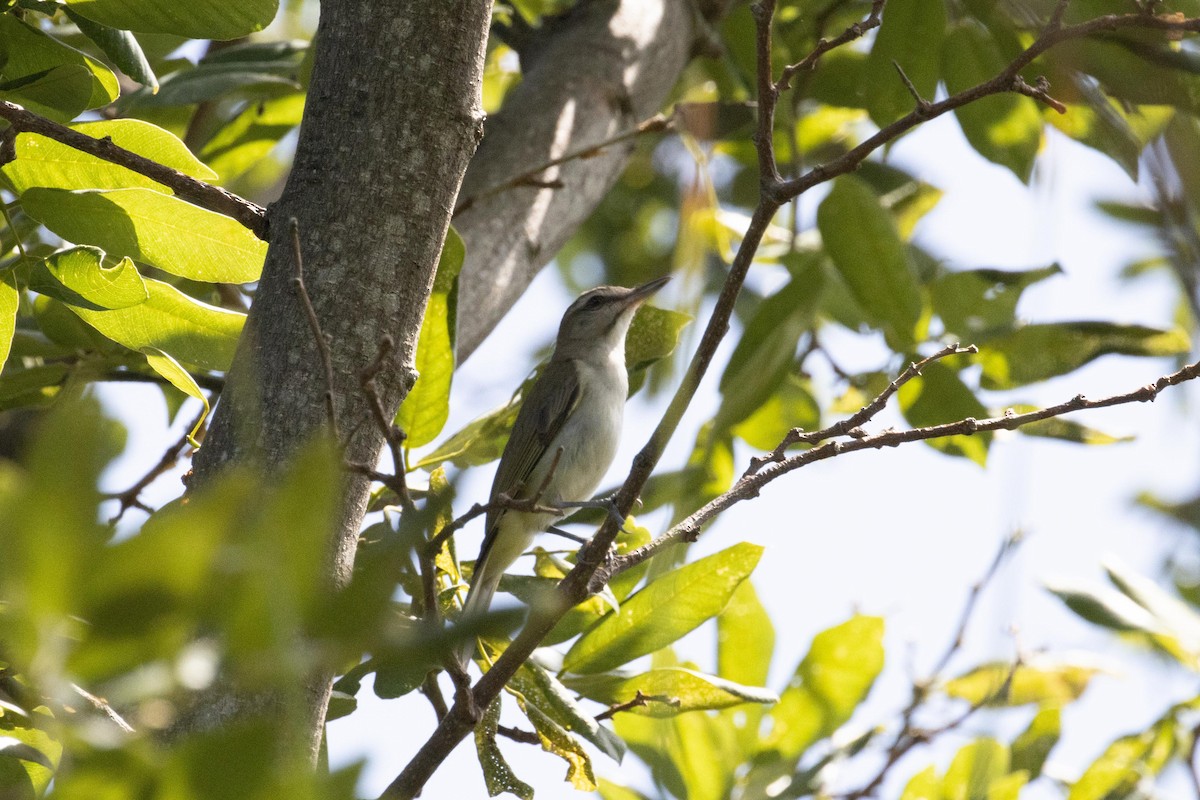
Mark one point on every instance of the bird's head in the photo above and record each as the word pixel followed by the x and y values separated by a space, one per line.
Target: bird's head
pixel 599 318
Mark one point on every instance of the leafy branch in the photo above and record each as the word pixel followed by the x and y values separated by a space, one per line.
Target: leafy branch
pixel 205 195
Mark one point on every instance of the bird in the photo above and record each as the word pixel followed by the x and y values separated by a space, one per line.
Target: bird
pixel 565 435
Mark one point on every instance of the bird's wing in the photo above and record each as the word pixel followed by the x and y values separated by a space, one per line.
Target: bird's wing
pixel 543 413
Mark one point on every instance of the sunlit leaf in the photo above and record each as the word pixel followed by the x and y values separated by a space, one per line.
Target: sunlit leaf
pixel 78 277
pixel 41 161
pixel 169 368
pixel 832 679
pixel 1066 430
pixel 671 691
pixel 694 593
pixel 653 335
pixel 10 300
pixel 251 135
pixel 427 407
pixel 191 331
pixel 160 230
pixel 977 771
pixel 26 52
pixel 1032 747
pixel 1041 681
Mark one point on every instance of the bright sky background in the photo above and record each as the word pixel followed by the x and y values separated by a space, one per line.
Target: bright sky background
pixel 904 532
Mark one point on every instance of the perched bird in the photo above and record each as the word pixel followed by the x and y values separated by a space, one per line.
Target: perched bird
pixel 565 435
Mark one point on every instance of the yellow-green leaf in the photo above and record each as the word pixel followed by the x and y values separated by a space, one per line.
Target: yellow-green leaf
pixel 830 682
pixel 195 19
pixel 1044 683
pixel 425 410
pixel 671 691
pixel 10 299
pixel 497 774
pixel 41 161
pixel 157 229
pixel 193 332
pixel 670 606
pixel 169 368
pixel 78 277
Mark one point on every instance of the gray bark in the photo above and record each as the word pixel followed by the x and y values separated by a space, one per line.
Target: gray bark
pixel 392 119
pixel 600 70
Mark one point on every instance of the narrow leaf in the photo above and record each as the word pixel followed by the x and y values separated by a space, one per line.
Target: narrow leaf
pixel 169 368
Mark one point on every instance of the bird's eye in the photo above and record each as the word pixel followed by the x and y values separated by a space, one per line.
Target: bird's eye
pixel 593 302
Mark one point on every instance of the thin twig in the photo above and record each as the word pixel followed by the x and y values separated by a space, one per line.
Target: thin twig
pixel 855 31
pixel 751 483
pixel 851 425
pixel 637 701
pixel 392 434
pixel 431 690
pixel 518 735
pixel 205 195
pixel 921 102
pixel 314 325
pixel 101 705
pixel 656 124
pixel 131 497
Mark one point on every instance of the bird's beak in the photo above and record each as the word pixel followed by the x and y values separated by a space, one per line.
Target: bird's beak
pixel 640 293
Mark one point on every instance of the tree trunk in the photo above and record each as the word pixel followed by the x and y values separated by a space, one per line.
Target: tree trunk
pixel 392 119
pixel 596 72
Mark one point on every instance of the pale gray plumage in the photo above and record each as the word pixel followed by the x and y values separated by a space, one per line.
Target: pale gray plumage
pixel 576 406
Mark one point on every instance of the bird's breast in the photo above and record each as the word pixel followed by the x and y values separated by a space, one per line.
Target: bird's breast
pixel 589 438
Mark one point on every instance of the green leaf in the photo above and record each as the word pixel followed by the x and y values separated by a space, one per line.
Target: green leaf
pixel 976 770
pixel 670 606
pixel 169 368
pixel 555 739
pixel 1035 353
pixel 120 46
pixel 937 396
pixel 497 774
pixel 830 682
pixel 653 335
pixel 911 36
pixel 614 791
pixel 30 754
pixel 157 229
pixel 1064 429
pixel 925 785
pixel 10 300
pixel 79 278
pixel 251 135
pixel 541 689
pixel 745 638
pixel 1108 125
pixel 196 19
pixel 249 70
pixel 26 51
pixel 59 94
pixel 671 691
pixel 479 441
pixel 1040 681
pixel 862 240
pixel 41 161
pixel 191 331
pixel 1006 128
pixel 765 353
pixel 978 301
pixel 1125 765
pixel 1031 749
pixel 793 405
pixel 425 410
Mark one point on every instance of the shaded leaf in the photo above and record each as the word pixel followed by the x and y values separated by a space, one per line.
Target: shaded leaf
pixel 26 52
pixel 862 240
pixel 653 335
pixel 937 396
pixel 497 774
pixel 1037 352
pixel 120 46
pixel 1005 128
pixel 972 302
pixel 1065 429
pixel 1032 747
pixel 197 19
pixel 910 35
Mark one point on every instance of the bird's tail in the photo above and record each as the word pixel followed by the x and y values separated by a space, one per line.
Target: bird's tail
pixel 479 600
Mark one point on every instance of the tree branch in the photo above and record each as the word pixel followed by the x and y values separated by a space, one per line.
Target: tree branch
pixel 754 479
pixel 205 195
